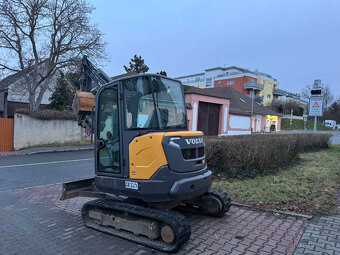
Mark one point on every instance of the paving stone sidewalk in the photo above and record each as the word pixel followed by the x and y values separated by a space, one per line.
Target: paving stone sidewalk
pixel 35 221
pixel 46 150
pixel 322 236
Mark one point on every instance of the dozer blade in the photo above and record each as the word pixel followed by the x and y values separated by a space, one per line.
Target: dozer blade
pixel 81 188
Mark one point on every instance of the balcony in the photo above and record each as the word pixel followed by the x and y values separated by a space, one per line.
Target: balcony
pixel 253 86
pixel 293 95
pixel 279 92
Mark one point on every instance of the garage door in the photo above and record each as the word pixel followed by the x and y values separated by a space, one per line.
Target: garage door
pixel 208 118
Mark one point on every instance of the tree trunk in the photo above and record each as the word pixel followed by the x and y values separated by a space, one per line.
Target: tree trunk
pixel 31 99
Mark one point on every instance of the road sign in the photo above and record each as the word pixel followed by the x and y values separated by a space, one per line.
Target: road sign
pixel 315 106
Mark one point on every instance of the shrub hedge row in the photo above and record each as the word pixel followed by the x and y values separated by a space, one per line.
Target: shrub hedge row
pixel 250 155
pixel 49 114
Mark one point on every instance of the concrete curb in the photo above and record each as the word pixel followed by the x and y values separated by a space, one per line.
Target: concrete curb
pixel 274 211
pixel 45 150
pixel 58 150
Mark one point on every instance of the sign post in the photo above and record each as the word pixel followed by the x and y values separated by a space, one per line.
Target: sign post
pixel 315 108
pixel 316 102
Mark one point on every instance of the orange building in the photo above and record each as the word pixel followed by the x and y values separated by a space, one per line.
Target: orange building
pixel 236 83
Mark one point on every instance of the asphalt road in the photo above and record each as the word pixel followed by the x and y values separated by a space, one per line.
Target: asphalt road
pixel 335 138
pixel 18 172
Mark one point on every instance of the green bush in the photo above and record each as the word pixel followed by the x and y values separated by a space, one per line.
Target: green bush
pixel 49 114
pixel 250 155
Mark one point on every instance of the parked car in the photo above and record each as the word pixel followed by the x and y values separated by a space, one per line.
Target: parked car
pixel 330 123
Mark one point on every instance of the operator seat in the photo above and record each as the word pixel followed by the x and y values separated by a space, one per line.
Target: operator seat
pixel 163 115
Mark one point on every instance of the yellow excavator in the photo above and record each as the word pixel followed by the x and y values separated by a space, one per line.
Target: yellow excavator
pixel 148 166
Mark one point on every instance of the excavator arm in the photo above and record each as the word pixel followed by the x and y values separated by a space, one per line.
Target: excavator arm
pixel 91 79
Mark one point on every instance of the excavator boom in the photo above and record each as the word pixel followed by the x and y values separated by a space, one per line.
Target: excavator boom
pixel 91 79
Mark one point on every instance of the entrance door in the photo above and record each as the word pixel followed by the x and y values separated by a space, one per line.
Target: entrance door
pixel 108 142
pixel 208 118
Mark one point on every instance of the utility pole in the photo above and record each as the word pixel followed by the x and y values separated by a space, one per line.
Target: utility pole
pixel 252 102
pixel 252 110
pixel 315 121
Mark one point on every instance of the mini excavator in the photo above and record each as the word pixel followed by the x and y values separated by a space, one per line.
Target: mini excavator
pixel 147 163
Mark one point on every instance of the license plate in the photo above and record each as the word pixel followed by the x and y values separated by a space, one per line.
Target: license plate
pixel 131 185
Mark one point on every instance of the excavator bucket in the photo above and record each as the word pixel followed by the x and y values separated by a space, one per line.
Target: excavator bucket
pixel 83 102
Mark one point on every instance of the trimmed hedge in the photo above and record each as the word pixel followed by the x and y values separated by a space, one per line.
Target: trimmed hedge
pixel 250 155
pixel 49 114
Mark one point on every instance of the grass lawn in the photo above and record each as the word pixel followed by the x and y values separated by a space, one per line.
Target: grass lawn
pixel 308 187
pixel 299 124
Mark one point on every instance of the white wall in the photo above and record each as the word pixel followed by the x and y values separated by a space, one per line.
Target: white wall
pixel 30 131
pixel 238 122
pixel 230 132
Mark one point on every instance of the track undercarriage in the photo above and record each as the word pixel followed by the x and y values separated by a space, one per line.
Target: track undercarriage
pixel 164 230
pixel 152 225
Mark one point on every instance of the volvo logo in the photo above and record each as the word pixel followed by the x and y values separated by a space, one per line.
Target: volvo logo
pixel 194 141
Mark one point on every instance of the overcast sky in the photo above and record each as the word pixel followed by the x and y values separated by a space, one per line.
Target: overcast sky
pixel 294 41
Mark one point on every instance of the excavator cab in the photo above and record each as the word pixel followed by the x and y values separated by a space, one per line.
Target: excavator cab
pixel 148 104
pixel 142 146
pixel 146 161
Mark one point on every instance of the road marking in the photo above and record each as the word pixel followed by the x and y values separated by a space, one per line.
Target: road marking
pixel 43 185
pixel 46 163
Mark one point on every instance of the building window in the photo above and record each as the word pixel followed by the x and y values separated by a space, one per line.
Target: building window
pixel 219 83
pixel 230 82
pixel 262 94
pixel 208 82
pixel 268 96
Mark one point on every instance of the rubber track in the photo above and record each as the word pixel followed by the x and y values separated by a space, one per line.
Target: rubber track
pixel 177 221
pixel 221 195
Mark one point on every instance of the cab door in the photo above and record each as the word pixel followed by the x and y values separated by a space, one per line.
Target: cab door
pixel 108 144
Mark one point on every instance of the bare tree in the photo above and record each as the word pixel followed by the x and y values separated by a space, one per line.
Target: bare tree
pixel 40 37
pixel 305 93
pixel 328 96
